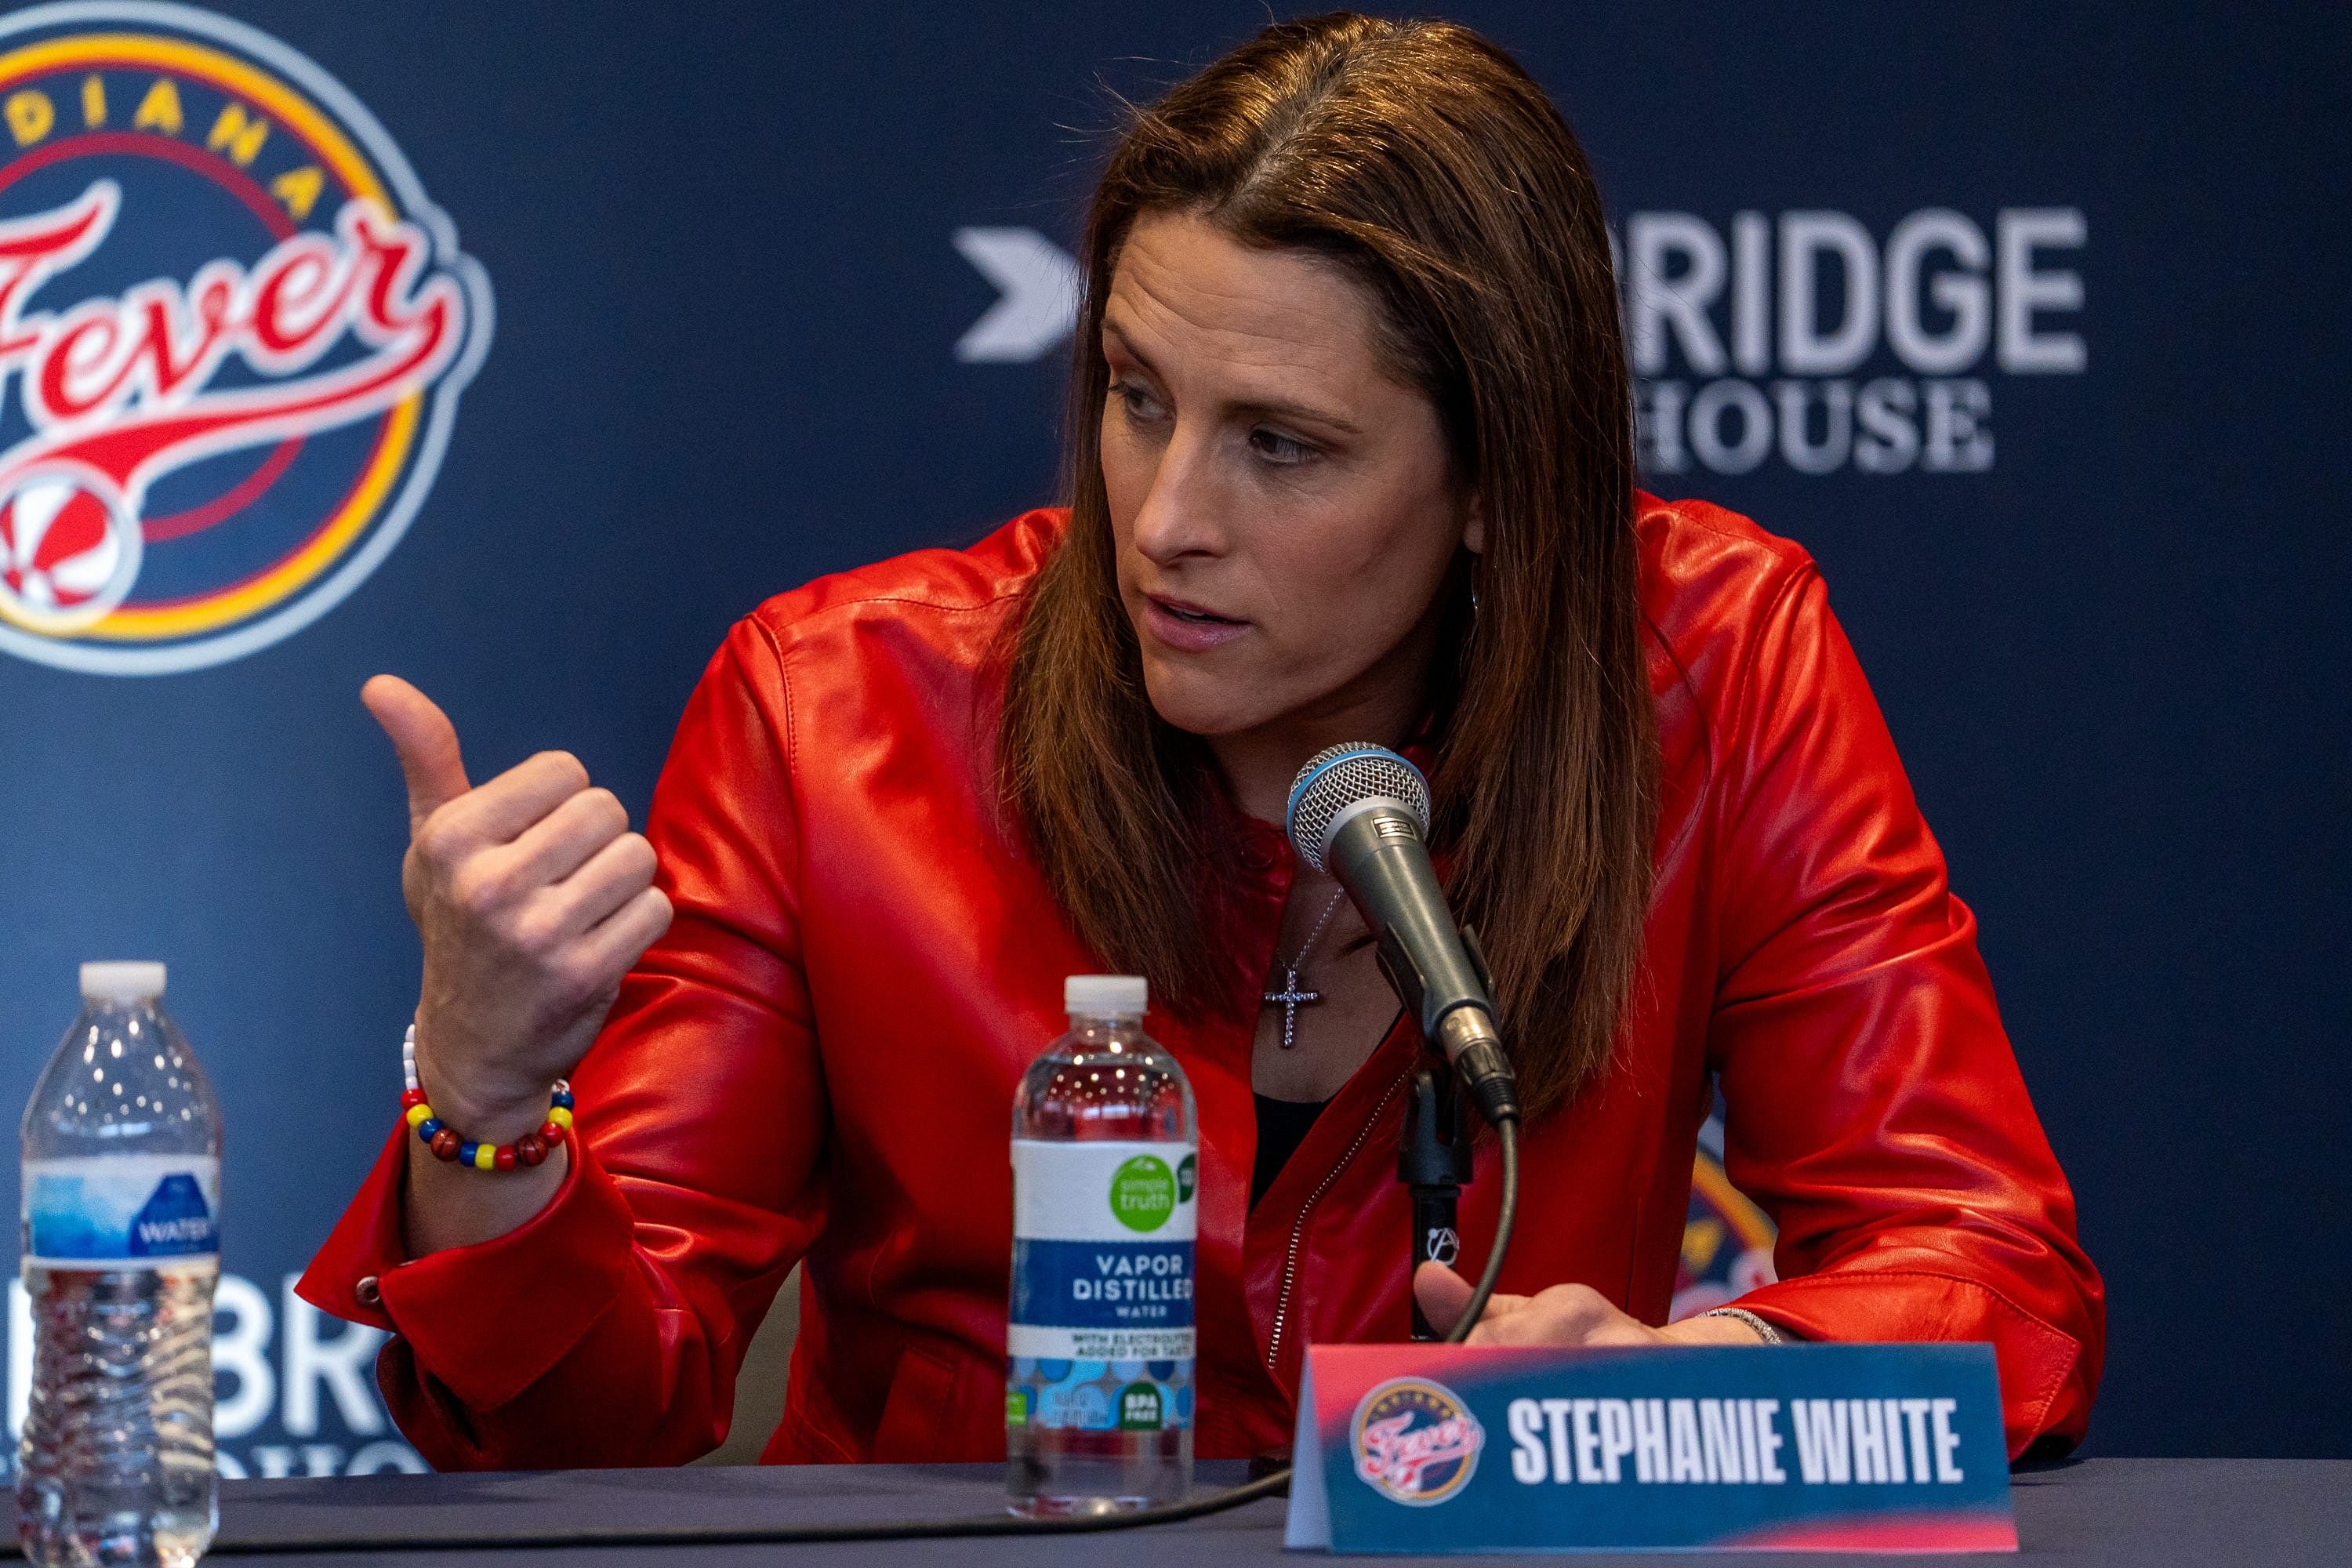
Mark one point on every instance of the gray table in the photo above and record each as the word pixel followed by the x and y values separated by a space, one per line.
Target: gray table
pixel 2130 1513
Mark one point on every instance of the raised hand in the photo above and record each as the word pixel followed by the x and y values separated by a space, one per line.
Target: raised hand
pixel 533 897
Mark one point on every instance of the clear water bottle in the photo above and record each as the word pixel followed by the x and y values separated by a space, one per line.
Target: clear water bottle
pixel 121 1195
pixel 1099 1345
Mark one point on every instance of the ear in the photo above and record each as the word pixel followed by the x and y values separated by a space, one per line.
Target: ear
pixel 1474 525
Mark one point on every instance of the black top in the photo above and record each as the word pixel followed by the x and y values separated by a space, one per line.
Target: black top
pixel 1282 1126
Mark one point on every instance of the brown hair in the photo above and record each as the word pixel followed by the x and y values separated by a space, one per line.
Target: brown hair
pixel 1425 163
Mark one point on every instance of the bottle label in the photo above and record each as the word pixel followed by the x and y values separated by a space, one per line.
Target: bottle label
pixel 123 1211
pixel 1100 1336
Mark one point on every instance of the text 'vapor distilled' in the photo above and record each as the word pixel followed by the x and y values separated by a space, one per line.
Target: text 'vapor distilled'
pixel 1105 1172
pixel 122 1239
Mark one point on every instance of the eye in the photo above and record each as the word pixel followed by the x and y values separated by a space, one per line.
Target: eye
pixel 1140 405
pixel 1278 448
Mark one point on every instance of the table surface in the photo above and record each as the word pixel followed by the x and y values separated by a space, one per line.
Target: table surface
pixel 2144 1513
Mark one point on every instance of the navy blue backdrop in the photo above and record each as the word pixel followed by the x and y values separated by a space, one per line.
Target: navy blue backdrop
pixel 2083 526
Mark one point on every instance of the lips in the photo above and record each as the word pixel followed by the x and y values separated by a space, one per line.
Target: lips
pixel 1187 627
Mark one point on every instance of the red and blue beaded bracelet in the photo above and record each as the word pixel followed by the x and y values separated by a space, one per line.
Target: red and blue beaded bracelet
pixel 448 1145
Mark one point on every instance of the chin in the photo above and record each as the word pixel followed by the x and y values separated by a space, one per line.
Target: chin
pixel 1197 704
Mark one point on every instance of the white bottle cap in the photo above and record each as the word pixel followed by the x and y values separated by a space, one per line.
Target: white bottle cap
pixel 123 980
pixel 1105 995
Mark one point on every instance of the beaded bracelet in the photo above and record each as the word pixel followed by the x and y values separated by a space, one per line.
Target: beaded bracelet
pixel 446 1145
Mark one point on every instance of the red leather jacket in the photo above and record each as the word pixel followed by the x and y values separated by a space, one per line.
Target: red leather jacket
pixel 816 1065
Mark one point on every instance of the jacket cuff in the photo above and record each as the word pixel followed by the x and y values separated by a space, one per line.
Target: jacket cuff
pixel 2035 1359
pixel 457 1308
pixel 365 1245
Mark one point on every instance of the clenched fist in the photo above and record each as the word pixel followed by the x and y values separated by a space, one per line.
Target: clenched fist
pixel 532 898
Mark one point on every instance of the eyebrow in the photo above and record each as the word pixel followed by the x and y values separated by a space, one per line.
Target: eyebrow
pixel 1304 412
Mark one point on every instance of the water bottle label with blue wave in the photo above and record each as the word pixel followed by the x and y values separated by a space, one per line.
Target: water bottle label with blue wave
pixel 121 1211
pixel 1100 1336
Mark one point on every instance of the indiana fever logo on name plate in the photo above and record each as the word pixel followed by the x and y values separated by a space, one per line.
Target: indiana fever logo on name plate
pixel 232 336
pixel 1416 1441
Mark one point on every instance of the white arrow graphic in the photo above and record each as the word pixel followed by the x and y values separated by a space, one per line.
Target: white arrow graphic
pixel 1039 282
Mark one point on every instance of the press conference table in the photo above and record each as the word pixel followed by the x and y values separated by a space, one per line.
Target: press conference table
pixel 2128 1513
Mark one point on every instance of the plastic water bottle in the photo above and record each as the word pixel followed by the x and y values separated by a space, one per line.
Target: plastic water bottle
pixel 121 1193
pixel 1099 1346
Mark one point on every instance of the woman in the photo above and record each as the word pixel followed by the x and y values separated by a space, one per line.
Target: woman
pixel 1350 459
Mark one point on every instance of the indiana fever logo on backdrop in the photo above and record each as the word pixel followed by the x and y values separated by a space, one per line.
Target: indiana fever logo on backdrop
pixel 232 336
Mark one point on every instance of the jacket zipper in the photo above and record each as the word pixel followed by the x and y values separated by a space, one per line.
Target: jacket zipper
pixel 1307 1211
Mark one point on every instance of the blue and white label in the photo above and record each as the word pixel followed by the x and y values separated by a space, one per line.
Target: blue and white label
pixel 1100 1332
pixel 1093 1288
pixel 123 1211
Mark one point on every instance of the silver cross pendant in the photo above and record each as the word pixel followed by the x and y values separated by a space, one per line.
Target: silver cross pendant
pixel 1290 998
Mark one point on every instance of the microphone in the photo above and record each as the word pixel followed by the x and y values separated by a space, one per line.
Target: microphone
pixel 1361 813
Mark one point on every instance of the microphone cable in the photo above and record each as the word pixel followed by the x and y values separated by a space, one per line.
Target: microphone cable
pixel 1275 1483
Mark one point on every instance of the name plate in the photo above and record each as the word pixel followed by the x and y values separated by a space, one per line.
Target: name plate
pixel 1815 1448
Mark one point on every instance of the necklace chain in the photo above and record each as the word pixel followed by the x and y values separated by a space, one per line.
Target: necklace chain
pixel 1321 924
pixel 1290 998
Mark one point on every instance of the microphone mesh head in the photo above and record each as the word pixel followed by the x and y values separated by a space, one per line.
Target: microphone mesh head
pixel 1338 777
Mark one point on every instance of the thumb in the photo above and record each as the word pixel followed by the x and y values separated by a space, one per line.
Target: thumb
pixel 425 741
pixel 1444 1296
pixel 1441 1293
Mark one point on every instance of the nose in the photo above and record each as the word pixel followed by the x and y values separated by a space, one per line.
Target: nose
pixel 1181 513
